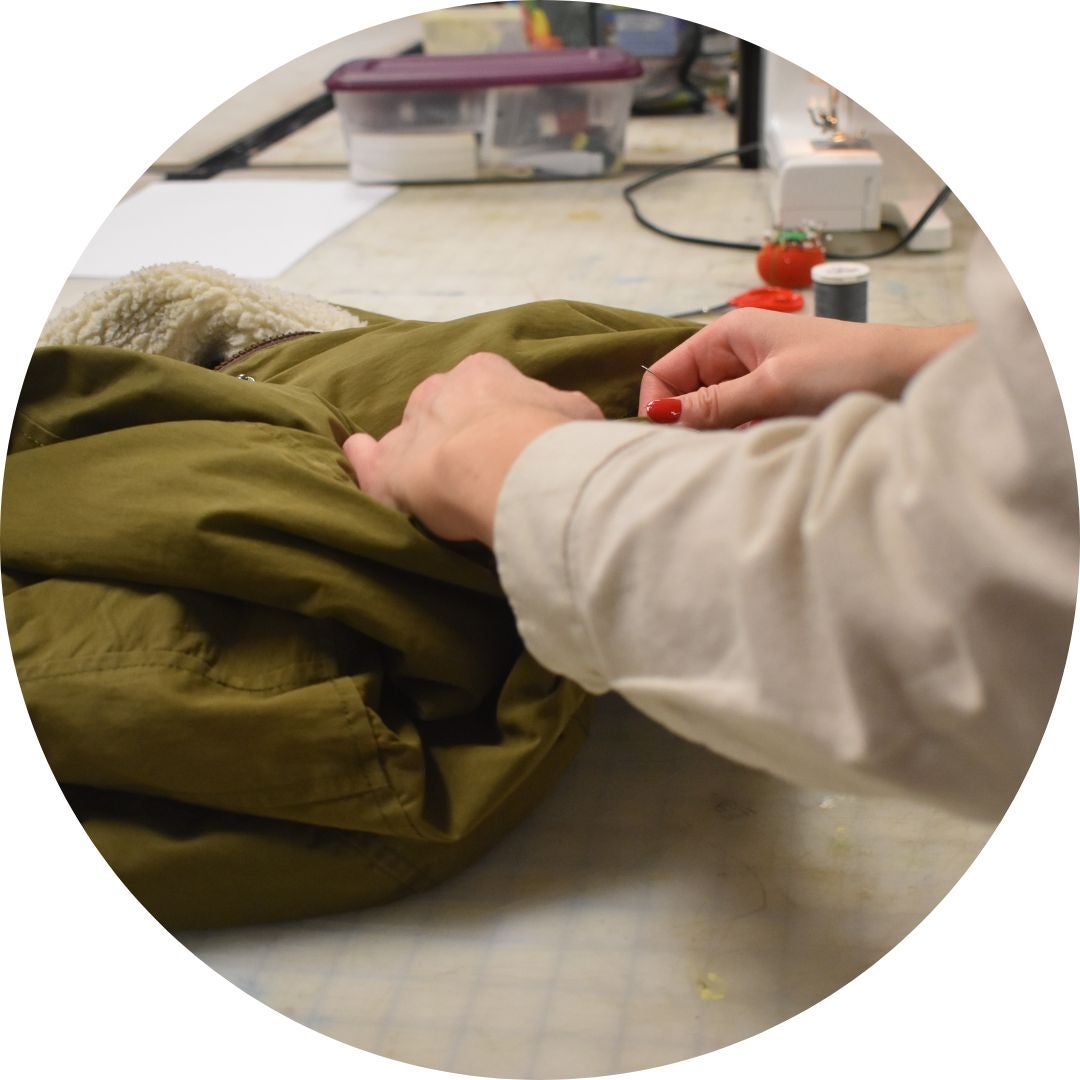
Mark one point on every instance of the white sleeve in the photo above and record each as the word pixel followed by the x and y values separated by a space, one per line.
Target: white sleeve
pixel 878 600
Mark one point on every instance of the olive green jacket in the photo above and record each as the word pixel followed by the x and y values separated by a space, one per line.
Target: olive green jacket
pixel 264 694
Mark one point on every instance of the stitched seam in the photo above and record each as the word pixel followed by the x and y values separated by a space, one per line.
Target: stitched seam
pixel 18 432
pixel 279 792
pixel 283 792
pixel 182 662
pixel 387 786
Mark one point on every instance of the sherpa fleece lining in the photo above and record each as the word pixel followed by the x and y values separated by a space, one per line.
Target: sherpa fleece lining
pixel 189 312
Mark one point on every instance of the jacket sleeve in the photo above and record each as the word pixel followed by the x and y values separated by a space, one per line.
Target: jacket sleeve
pixel 876 600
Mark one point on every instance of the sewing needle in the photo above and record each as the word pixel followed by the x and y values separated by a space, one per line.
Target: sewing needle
pixel 660 377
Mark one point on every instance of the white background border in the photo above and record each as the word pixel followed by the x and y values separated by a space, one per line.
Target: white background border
pixel 93 93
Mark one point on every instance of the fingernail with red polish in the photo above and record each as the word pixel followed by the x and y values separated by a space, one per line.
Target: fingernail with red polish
pixel 664 410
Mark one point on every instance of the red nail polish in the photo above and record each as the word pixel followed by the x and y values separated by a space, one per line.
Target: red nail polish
pixel 664 410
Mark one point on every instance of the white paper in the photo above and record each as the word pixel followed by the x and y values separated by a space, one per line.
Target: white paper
pixel 251 228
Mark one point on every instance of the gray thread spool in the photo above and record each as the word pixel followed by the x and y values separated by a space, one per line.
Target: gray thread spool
pixel 840 290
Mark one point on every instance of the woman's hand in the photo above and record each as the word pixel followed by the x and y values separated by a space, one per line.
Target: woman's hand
pixel 460 433
pixel 752 364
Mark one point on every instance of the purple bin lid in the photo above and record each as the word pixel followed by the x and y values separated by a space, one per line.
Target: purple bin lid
pixel 466 72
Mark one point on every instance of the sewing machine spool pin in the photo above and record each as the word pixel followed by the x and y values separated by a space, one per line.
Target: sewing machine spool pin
pixel 828 119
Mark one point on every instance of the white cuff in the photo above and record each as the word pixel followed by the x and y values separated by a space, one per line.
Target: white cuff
pixel 532 522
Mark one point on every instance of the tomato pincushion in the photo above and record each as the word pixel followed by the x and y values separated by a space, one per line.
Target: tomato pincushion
pixel 787 257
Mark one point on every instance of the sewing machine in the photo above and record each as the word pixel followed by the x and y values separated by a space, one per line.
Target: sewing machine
pixel 835 165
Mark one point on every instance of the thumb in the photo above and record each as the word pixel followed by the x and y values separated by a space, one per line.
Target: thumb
pixel 361 451
pixel 724 404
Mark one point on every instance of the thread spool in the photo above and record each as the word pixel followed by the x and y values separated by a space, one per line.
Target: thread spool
pixel 840 290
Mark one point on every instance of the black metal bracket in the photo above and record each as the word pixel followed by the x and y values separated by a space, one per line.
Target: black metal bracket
pixel 237 154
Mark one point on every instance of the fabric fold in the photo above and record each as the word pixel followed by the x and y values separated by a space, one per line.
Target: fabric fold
pixel 264 694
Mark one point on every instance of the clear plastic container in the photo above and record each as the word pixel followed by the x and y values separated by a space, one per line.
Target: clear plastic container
pixel 554 113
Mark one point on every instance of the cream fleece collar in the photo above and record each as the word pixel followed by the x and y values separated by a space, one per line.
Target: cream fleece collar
pixel 189 312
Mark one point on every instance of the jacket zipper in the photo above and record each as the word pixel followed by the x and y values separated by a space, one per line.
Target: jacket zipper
pixel 249 349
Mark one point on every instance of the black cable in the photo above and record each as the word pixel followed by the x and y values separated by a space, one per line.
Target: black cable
pixel 904 240
pixel 670 170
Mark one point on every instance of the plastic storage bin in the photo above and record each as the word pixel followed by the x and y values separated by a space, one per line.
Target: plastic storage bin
pixel 559 114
